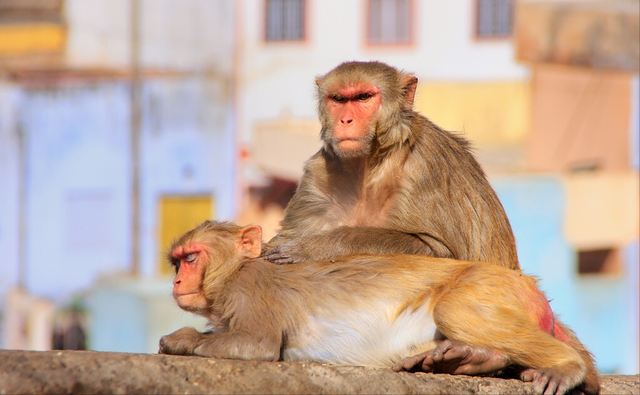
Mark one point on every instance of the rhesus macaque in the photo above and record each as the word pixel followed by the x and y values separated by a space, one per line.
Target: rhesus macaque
pixel 388 180
pixel 366 310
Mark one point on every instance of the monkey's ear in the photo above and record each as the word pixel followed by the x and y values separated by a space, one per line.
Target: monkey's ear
pixel 410 83
pixel 318 81
pixel 251 241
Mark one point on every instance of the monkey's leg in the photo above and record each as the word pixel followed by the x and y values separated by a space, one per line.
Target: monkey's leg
pixel 478 318
pixel 454 357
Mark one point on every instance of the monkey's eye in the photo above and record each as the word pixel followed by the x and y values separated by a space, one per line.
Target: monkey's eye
pixel 364 96
pixel 339 98
pixel 176 264
pixel 191 257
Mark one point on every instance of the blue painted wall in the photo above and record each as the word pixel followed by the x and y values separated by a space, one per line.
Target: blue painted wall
pixel 77 144
pixel 78 173
pixel 601 309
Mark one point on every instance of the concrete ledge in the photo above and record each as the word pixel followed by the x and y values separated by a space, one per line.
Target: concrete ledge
pixel 91 372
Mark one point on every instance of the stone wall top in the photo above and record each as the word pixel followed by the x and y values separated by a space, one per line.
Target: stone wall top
pixel 91 372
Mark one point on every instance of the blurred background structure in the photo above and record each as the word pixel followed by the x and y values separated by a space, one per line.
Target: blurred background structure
pixel 124 123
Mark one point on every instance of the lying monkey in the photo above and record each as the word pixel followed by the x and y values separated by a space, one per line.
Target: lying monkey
pixel 363 310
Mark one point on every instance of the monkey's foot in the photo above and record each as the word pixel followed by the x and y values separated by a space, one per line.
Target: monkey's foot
pixel 454 357
pixel 551 381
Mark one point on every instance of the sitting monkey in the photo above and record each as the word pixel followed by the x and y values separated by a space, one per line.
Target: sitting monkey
pixel 364 310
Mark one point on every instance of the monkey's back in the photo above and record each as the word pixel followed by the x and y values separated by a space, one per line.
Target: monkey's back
pixel 462 209
pixel 366 310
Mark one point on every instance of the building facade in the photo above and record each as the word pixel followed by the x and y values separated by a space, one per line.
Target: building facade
pixel 94 95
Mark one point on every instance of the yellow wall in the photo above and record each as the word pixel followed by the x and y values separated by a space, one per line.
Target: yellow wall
pixel 491 113
pixel 179 214
pixel 23 39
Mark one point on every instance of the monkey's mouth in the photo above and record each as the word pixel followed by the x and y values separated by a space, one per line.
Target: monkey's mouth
pixel 349 143
pixel 176 296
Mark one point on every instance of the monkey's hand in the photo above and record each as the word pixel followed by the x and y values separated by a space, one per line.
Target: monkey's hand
pixel 291 251
pixel 455 357
pixel 180 342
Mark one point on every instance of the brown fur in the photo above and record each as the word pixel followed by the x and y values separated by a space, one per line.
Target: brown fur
pixel 416 190
pixel 269 312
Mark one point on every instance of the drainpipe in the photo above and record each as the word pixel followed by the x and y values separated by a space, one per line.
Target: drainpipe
pixel 135 137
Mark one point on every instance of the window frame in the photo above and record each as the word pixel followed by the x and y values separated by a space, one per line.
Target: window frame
pixel 493 36
pixel 397 44
pixel 304 21
pixel 599 261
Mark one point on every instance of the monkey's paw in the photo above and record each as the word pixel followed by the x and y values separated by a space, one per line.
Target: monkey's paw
pixel 455 357
pixel 180 342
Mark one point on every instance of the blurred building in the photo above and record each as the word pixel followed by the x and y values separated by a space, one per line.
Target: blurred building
pixel 66 129
pixel 93 96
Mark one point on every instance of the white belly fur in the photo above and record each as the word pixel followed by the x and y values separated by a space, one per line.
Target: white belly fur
pixel 362 338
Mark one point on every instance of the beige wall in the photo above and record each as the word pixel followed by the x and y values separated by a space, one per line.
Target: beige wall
pixel 602 209
pixel 580 118
pixel 282 145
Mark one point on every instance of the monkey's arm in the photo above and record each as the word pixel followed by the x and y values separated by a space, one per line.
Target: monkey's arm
pixel 239 345
pixel 231 345
pixel 347 240
pixel 248 330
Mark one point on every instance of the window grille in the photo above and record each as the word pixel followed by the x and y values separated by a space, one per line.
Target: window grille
pixel 285 20
pixel 389 22
pixel 495 18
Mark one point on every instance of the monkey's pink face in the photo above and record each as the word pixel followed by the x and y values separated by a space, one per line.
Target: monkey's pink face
pixel 191 262
pixel 352 109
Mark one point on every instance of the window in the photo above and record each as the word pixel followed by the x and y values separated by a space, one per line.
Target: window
pixel 285 20
pixel 29 11
pixel 495 18
pixel 179 214
pixel 599 261
pixel 389 22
